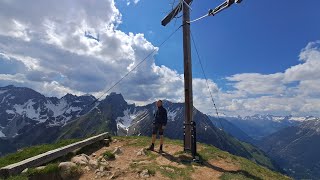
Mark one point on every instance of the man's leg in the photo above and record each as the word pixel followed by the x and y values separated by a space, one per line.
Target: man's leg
pixel 154 136
pixel 161 139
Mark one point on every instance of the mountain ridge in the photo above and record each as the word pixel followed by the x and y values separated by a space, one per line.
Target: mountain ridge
pixel 296 149
pixel 107 115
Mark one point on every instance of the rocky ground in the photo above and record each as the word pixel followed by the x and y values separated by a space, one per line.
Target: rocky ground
pixel 127 158
pixel 132 161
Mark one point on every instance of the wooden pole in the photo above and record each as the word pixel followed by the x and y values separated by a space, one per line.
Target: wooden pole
pixel 187 78
pixel 188 114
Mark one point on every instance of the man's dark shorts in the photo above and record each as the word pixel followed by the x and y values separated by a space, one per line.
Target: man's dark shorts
pixel 157 127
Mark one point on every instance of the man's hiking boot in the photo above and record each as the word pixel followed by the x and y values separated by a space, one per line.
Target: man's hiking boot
pixel 160 149
pixel 151 148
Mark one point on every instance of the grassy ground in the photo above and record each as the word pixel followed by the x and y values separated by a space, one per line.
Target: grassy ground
pixel 32 151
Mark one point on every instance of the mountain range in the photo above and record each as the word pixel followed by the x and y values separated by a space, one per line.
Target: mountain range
pixel 29 118
pixel 260 126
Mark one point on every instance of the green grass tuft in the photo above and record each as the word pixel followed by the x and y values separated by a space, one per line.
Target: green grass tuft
pixel 107 155
pixel 50 168
pixel 20 177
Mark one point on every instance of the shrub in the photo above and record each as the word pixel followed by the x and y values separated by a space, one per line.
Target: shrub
pixel 108 155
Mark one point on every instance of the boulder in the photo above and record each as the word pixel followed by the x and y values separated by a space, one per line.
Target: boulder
pixel 81 159
pixel 169 169
pixel 40 167
pixel 66 169
pixel 104 163
pixel 102 168
pixel 141 152
pixel 87 168
pixel 66 165
pixel 115 175
pixel 117 150
pixel 144 174
pixel 93 163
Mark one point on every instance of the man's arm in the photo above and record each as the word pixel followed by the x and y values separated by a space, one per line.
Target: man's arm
pixel 165 118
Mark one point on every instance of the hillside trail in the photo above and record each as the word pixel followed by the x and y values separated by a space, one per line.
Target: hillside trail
pixel 132 161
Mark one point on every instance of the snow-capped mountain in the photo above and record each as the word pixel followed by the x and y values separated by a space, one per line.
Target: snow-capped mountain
pixel 21 107
pixel 259 126
pixel 274 118
pixel 29 118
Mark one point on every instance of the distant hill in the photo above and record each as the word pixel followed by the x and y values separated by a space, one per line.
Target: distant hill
pixel 5 147
pixel 232 129
pixel 296 149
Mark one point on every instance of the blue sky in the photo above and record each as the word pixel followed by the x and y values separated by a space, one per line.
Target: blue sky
pixel 261 57
pixel 254 36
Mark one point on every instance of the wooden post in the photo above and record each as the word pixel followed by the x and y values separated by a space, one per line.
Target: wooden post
pixel 188 115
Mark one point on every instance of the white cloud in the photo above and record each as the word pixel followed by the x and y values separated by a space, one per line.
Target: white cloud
pixel 309 67
pixel 132 1
pixel 295 91
pixel 43 46
pixel 255 83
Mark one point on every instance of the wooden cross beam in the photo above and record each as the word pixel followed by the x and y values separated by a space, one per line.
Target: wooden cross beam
pixel 166 20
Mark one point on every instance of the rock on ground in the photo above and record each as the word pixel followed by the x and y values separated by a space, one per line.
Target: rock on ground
pixel 40 167
pixel 66 165
pixel 81 159
pixel 145 173
pixel 93 163
pixel 66 169
pixel 117 150
pixel 141 152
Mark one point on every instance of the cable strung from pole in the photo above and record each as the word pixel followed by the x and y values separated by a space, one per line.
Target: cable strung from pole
pixel 205 76
pixel 216 10
pixel 135 67
pixel 206 15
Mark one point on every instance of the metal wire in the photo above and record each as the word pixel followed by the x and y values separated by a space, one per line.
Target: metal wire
pixel 127 74
pixel 205 76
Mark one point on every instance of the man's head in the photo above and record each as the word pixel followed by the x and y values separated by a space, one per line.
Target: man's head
pixel 159 103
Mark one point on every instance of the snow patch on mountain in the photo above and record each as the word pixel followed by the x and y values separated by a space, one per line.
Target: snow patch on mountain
pixel 172 114
pixel 3 91
pixel 28 109
pixel 276 118
pixel 125 121
pixel 73 109
pixel 57 109
pixel 313 125
pixel 2 135
pixel 10 112
pixel 4 98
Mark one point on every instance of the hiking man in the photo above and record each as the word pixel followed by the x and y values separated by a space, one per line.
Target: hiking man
pixel 159 124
